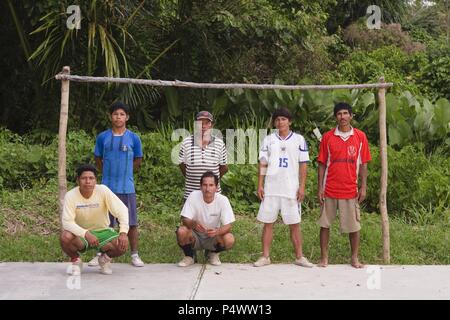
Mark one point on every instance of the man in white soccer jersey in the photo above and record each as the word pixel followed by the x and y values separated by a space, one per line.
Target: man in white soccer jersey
pixel 206 219
pixel 281 184
pixel 202 153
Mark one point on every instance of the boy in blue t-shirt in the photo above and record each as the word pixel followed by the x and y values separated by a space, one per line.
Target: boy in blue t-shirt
pixel 117 152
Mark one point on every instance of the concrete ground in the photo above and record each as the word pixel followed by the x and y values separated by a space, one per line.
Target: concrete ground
pixel 225 282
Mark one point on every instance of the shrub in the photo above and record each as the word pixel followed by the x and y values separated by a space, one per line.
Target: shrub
pixel 414 180
pixel 433 183
pixel 417 183
pixel 158 176
pixel 20 163
pixel 240 184
pixel 435 75
pixel 389 61
pixel 359 36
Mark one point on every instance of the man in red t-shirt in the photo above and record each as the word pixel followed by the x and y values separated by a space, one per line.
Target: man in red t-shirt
pixel 343 156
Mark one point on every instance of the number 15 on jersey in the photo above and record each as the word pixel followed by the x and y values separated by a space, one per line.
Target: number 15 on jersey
pixel 283 163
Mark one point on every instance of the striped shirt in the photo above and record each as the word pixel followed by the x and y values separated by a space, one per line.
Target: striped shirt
pixel 198 160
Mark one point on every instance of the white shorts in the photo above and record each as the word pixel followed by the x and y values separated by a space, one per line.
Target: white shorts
pixel 272 205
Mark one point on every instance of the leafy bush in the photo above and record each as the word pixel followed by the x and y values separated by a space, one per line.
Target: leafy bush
pixel 414 180
pixel 20 163
pixel 240 184
pixel 158 176
pixel 411 121
pixel 417 182
pixel 433 183
pixel 435 75
pixel 359 36
pixel 404 168
pixel 391 62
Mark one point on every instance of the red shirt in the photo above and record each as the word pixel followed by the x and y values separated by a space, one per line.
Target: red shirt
pixel 342 160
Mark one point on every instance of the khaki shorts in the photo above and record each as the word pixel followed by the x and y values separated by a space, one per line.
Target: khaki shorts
pixel 202 241
pixel 350 215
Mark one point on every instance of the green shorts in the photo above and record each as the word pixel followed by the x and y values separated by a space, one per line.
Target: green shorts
pixel 104 237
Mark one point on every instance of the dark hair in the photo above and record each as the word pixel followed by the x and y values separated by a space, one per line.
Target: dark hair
pixel 342 106
pixel 86 167
pixel 281 112
pixel 209 174
pixel 119 105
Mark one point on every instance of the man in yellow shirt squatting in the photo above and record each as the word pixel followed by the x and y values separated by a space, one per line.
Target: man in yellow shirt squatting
pixel 85 222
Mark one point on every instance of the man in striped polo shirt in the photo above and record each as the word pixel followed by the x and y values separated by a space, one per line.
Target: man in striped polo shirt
pixel 202 152
pixel 343 156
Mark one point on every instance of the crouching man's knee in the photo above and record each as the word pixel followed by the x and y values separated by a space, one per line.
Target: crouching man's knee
pixel 228 241
pixel 118 249
pixel 66 237
pixel 121 251
pixel 183 235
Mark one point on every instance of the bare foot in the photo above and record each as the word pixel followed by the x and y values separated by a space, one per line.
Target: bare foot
pixel 356 264
pixel 323 263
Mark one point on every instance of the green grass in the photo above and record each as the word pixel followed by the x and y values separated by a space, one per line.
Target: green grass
pixel 29 232
pixel 29 227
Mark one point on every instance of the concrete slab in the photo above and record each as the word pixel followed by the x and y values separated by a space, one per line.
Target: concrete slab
pixel 290 282
pixel 226 282
pixel 50 281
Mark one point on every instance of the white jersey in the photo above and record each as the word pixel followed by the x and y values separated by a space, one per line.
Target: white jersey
pixel 283 157
pixel 211 215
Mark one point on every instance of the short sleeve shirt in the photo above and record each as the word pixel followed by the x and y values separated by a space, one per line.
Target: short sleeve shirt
pixel 198 160
pixel 342 159
pixel 283 157
pixel 118 154
pixel 211 215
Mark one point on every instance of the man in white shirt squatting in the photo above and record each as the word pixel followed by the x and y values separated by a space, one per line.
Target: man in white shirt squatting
pixel 281 184
pixel 206 219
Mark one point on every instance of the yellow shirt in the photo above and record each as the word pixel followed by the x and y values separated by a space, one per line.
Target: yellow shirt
pixel 81 214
